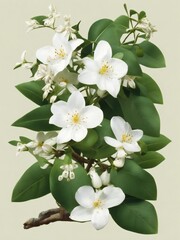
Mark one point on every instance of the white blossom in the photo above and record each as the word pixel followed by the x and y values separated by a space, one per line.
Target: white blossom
pixel 74 118
pixel 45 73
pixel 59 55
pixel 146 26
pixel 126 141
pixel 24 63
pixel 44 143
pixel 129 81
pixel 94 206
pixel 67 29
pixel 68 171
pixel 20 148
pixel 32 24
pixel 50 21
pixel 104 71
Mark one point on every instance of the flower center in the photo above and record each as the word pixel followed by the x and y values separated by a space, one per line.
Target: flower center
pixel 97 203
pixel 61 53
pixel 126 138
pixel 76 118
pixel 104 69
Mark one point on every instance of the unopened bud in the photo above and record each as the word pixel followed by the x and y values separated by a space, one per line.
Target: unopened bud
pixel 105 178
pixel 95 179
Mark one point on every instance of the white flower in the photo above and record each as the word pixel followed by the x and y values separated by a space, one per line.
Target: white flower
pixel 74 118
pixel 68 171
pixel 104 71
pixel 129 81
pixel 94 205
pixel 45 73
pixel 50 21
pixel 48 88
pixel 24 63
pixel 32 24
pixel 59 55
pixel 147 27
pixel 66 29
pixel 43 143
pixel 126 138
pixel 21 148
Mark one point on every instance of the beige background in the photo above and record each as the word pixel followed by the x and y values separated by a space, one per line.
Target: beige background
pixel 13 40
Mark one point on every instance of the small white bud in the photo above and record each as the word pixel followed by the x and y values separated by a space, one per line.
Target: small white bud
pixel 119 163
pixel 105 178
pixel 95 178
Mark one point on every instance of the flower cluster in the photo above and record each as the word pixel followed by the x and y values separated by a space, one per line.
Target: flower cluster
pixel 97 125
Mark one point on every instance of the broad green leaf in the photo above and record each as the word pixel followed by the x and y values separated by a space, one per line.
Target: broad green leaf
pixel 131 60
pixel 140 112
pixel 155 143
pixel 134 181
pixel 33 91
pixel 34 183
pixel 152 56
pixel 13 142
pixel 136 216
pixel 149 160
pixel 37 120
pixel 64 191
pixel 40 19
pixel 149 88
pixel 122 22
pixel 104 29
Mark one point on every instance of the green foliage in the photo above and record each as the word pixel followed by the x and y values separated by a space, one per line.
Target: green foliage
pixel 149 88
pixel 34 183
pixel 136 216
pixel 149 160
pixel 37 120
pixel 134 181
pixel 152 56
pixel 64 191
pixel 13 142
pixel 33 91
pixel 155 143
pixel 140 112
pixel 40 19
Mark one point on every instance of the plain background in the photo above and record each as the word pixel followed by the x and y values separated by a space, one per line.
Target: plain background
pixel 13 40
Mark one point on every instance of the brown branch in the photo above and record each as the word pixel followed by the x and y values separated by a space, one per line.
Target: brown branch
pixel 46 217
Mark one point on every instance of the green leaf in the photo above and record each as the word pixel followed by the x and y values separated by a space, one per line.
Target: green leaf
pixel 33 91
pixel 152 56
pixel 104 29
pixel 149 160
pixel 149 88
pixel 136 216
pixel 13 142
pixel 64 191
pixel 140 112
pixel 24 140
pixel 134 181
pixel 134 68
pixel 37 120
pixel 122 22
pixel 34 183
pixel 40 19
pixel 155 143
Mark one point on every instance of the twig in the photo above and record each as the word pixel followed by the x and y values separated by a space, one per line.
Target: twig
pixel 46 217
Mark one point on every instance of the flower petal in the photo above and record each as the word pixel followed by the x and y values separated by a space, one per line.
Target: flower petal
pixel 79 132
pixel 112 196
pixel 75 43
pixel 118 126
pixel 40 137
pixel 65 135
pixel 120 68
pixel 85 196
pixel 76 101
pixel 81 214
pixel 43 54
pixel 92 116
pixel 110 85
pixel 103 51
pixel 137 134
pixel 60 64
pixel 100 218
pixel 59 40
pixel 131 147
pixel 112 142
pixel 88 77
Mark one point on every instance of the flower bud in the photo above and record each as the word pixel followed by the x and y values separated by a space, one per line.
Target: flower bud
pixel 95 178
pixel 119 162
pixel 105 178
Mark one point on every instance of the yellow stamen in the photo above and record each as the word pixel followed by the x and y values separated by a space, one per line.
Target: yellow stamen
pixel 97 204
pixel 76 118
pixel 126 138
pixel 104 69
